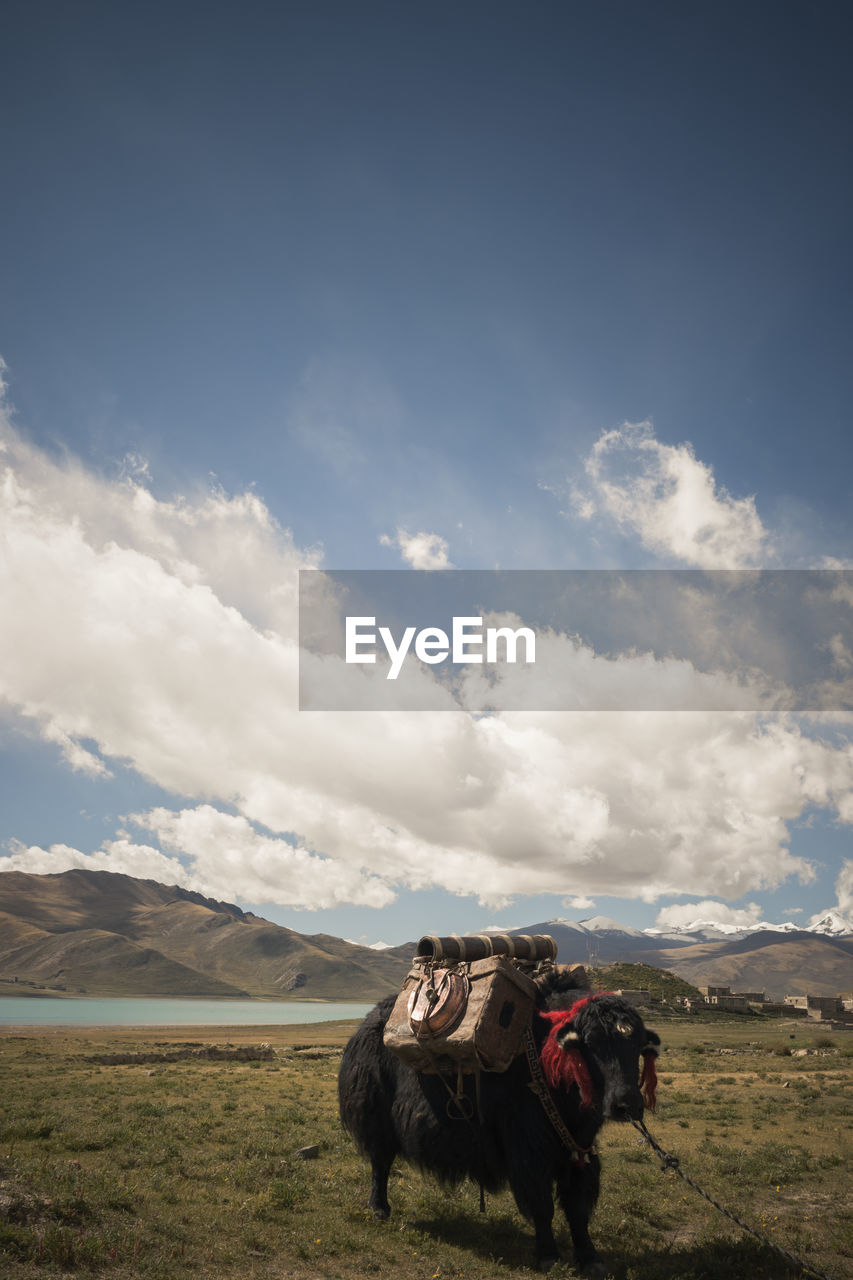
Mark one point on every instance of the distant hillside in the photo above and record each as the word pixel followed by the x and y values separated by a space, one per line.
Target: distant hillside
pixel 792 962
pixel 97 962
pixel 779 964
pixel 660 984
pixel 106 934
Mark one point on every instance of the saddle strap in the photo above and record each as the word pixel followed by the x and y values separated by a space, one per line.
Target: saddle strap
pixel 539 1086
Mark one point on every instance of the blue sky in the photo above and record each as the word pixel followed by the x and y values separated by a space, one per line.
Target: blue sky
pixel 393 272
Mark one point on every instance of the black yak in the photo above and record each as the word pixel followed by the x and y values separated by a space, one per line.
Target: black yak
pixel 586 1050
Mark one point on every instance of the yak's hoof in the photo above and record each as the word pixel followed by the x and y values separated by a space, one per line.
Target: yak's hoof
pixel 545 1264
pixel 596 1269
pixel 380 1215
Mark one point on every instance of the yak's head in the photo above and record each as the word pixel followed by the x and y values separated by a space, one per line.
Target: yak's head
pixel 596 1045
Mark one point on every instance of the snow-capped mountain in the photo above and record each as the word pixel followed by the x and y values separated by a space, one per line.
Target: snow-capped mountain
pixel 602 924
pixel 832 923
pixel 779 959
pixel 700 930
pixel 602 937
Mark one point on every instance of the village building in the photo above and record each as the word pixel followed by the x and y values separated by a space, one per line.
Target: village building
pixel 821 1008
pixel 724 998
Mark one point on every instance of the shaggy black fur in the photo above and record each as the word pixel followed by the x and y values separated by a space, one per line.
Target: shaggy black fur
pixel 391 1111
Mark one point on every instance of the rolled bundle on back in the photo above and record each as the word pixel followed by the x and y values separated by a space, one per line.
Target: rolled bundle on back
pixel 478 946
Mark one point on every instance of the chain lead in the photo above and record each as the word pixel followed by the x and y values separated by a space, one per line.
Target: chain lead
pixel 672 1162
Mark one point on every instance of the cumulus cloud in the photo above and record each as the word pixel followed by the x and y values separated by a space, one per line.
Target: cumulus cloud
pixel 121 856
pixel 669 498
pixel 841 655
pixel 219 854
pixel 74 753
pixel 569 673
pixel 162 634
pixel 225 847
pixel 420 550
pixel 844 888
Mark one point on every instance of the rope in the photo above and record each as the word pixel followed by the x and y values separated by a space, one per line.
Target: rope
pixel 456 1109
pixel 672 1162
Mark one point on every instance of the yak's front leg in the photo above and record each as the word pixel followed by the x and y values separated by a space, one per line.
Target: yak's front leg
pixel 547 1253
pixel 378 1201
pixel 578 1192
pixel 533 1196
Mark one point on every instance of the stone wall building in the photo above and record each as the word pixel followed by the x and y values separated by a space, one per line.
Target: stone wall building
pixel 818 1007
pixel 724 998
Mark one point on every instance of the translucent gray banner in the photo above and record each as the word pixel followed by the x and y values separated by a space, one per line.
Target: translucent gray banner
pixel 575 640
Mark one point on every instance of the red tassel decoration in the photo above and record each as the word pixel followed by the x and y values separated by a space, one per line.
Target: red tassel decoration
pixel 565 1067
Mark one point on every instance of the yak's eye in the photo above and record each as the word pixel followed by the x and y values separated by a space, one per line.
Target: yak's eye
pixel 624 1028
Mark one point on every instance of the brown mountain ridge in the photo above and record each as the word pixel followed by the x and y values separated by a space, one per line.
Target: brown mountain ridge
pixel 103 934
pixel 778 964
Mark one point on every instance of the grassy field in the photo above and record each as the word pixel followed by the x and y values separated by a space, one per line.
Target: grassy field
pixel 190 1168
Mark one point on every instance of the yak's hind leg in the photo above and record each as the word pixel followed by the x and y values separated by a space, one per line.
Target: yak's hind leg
pixel 578 1192
pixel 378 1201
pixel 368 1083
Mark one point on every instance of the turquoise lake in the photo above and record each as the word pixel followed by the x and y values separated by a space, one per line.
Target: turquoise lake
pixel 42 1011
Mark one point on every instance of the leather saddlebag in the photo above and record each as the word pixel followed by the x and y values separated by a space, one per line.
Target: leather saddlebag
pixel 470 1015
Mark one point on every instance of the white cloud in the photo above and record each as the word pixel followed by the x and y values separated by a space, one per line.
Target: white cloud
pixel 74 753
pixel 668 498
pixel 163 635
pixel 218 854
pixel 420 550
pixel 844 887
pixel 580 903
pixel 568 672
pixel 841 655
pixel 227 852
pixel 121 856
